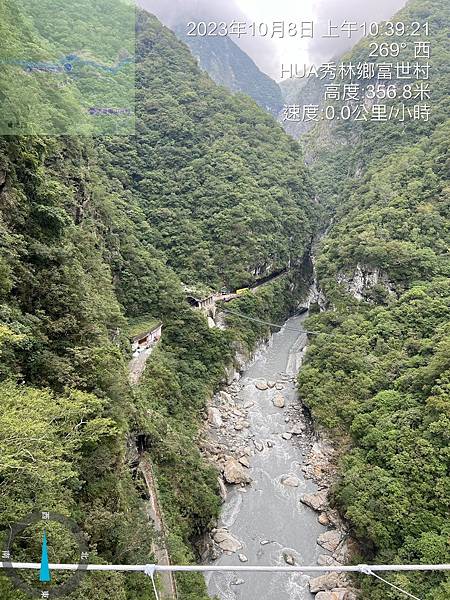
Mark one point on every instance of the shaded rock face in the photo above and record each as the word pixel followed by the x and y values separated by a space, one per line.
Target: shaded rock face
pixel 222 489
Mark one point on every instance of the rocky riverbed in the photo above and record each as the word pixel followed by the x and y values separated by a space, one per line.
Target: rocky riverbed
pixel 274 474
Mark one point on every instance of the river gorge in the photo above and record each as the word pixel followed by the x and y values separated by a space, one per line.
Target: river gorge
pixel 277 470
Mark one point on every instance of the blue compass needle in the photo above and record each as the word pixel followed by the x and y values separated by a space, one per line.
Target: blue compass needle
pixel 44 574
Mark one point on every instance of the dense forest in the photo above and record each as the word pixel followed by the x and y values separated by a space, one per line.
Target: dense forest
pixel 378 375
pixel 223 189
pixel 97 231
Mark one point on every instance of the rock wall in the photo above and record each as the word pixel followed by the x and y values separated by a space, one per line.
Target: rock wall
pixel 363 279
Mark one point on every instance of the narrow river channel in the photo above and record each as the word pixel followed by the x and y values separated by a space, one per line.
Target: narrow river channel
pixel 267 517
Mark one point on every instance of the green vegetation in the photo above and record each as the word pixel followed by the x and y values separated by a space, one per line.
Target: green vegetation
pixel 94 235
pixel 378 376
pixel 223 188
pixel 55 67
pixel 141 324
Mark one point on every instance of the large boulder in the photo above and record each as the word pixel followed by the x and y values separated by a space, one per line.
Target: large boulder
pixel 326 560
pixel 290 481
pixel 316 501
pixel 234 472
pixel 325 582
pixel 214 417
pixel 289 559
pixel 226 541
pixel 278 401
pixel 330 540
pixel 244 461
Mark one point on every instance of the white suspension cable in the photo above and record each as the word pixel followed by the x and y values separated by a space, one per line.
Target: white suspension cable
pixel 367 571
pixel 237 568
pixel 286 327
pixel 150 571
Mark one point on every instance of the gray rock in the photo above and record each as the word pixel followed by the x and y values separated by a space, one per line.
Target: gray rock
pixel 214 417
pixel 279 401
pixel 237 582
pixel 269 444
pixel 225 397
pixel 279 386
pixel 298 428
pixel 290 481
pixel 234 472
pixel 337 594
pixel 324 583
pixel 316 501
pixel 258 446
pixel 286 436
pixel 261 385
pixel 226 541
pixel 289 559
pixel 243 558
pixel 330 540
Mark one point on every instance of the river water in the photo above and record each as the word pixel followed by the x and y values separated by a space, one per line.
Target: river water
pixel 267 516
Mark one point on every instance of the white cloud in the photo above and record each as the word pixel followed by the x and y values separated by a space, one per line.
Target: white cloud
pixel 270 53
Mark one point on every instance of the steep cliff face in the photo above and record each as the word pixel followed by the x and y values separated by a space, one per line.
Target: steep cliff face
pixel 225 191
pixel 230 66
pixel 94 231
pixel 378 375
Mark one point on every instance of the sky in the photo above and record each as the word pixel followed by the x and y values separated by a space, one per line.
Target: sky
pixel 271 53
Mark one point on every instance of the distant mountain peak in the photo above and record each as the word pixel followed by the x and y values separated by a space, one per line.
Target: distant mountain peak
pixel 228 65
